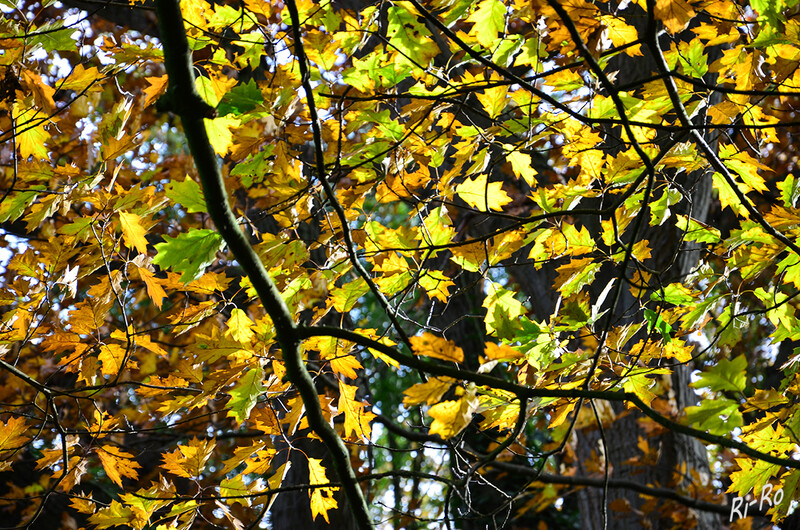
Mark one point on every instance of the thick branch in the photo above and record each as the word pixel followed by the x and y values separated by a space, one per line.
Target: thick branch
pixel 520 391
pixel 185 101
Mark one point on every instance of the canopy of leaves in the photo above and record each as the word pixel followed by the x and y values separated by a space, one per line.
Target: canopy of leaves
pixel 438 239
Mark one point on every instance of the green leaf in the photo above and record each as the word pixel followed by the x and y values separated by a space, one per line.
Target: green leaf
pixel 502 308
pixel 240 99
pixel 188 194
pixel 344 298
pixel 674 293
pixel 717 416
pixel 790 190
pixel 489 20
pixel 725 375
pixel 411 38
pixel 189 253
pixel 640 385
pixel 245 394
pixel 693 60
pixel 506 50
pixel 51 38
pixel 694 230
pixel 654 321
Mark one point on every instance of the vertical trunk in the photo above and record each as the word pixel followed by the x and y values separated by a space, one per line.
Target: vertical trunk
pixel 680 458
pixel 292 509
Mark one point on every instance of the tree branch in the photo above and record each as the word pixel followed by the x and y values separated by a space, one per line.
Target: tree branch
pixel 187 103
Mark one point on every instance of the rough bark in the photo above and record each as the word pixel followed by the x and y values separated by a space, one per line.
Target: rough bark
pixel 674 260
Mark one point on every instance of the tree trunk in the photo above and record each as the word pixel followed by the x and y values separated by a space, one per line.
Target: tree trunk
pixel 679 456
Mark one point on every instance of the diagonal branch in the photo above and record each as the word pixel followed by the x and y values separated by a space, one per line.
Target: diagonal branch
pixel 183 99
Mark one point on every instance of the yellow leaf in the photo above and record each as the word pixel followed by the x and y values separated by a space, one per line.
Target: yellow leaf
pixel 214 87
pixel 451 417
pixel 727 196
pixel 346 365
pixel 560 414
pixel 321 498
pixel 436 285
pixel 521 165
pixel 111 356
pixel 240 327
pixel 493 100
pixel 621 33
pixel 678 349
pixel 482 195
pixel 80 78
pixel 501 352
pixel 220 134
pixel 430 392
pixel 133 231
pixel 11 434
pixel 260 463
pixel 356 419
pixel 83 504
pixel 432 346
pixel 322 501
pixel 31 142
pixel 576 274
pixel 641 250
pixel 675 14
pixel 118 464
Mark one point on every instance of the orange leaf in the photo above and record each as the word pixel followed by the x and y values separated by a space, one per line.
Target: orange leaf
pixel 118 464
pixel 189 460
pixel 432 346
pixel 11 434
pixel 500 352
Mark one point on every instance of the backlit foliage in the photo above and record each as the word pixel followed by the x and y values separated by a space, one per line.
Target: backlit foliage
pixel 487 236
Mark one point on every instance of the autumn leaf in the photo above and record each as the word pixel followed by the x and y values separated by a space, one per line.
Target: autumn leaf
pixel 500 352
pixel 13 434
pixel 356 419
pixel 452 417
pixel 397 181
pixel 430 392
pixel 31 142
pixel 117 464
pixel 133 231
pixel 155 290
pixel 220 133
pixel 322 500
pixel 483 196
pixel 674 14
pixel 432 346
pixel 189 460
pixel 111 357
pixel 488 20
pixel 411 38
pixel 245 394
pixel 521 165
pixel 115 514
pixel 240 327
pixel 158 86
